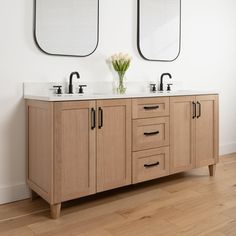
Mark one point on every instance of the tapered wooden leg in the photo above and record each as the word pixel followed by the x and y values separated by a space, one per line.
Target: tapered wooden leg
pixel 34 195
pixel 55 210
pixel 212 170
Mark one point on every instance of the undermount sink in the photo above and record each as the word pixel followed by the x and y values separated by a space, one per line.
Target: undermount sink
pixel 83 94
pixel 129 93
pixel 100 93
pixel 133 93
pixel 69 95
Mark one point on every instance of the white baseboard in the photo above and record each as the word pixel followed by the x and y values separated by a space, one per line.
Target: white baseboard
pixel 14 193
pixel 227 148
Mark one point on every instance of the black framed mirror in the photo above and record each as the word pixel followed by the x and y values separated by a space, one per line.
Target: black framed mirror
pixel 159 29
pixel 66 27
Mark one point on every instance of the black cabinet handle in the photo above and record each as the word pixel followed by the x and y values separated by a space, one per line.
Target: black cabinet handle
pixel 200 110
pixel 194 110
pixel 152 165
pixel 100 117
pixel 151 107
pixel 93 118
pixel 152 133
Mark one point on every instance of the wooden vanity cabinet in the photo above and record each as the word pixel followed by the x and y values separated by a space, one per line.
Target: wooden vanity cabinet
pixel 193 132
pixel 78 148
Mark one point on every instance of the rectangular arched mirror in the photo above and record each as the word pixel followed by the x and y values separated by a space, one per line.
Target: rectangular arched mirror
pixel 67 27
pixel 159 29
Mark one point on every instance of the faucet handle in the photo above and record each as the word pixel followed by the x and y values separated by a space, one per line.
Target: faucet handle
pixel 153 87
pixel 81 88
pixel 168 87
pixel 58 89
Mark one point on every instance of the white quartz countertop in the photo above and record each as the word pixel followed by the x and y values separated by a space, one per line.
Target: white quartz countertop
pixel 97 96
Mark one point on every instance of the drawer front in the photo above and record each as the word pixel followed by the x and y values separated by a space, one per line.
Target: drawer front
pixel 150 164
pixel 150 133
pixel 150 107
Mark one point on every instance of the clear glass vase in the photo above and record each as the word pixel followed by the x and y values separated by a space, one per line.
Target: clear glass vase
pixel 120 87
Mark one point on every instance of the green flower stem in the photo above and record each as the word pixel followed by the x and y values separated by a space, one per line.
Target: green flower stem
pixel 121 89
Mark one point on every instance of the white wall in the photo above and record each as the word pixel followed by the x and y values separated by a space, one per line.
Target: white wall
pixel 207 61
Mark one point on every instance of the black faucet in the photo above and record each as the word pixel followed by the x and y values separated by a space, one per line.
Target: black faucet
pixel 70 83
pixel 161 83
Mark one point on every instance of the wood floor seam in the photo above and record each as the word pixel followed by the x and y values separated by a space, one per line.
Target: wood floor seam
pixel 24 215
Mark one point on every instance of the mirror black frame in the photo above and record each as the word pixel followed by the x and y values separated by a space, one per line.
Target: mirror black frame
pixel 64 55
pixel 138 35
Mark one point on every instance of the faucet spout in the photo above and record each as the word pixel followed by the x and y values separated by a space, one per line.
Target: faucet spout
pixel 161 83
pixel 70 82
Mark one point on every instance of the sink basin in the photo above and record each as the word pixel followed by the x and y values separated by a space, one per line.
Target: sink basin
pixel 69 95
pixel 138 94
pixel 100 93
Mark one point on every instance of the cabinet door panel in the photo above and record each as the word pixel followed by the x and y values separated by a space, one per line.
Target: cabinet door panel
pixel 207 130
pixel 182 133
pixel 114 144
pixel 74 150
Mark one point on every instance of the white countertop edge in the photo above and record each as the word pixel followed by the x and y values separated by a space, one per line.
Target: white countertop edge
pixel 77 97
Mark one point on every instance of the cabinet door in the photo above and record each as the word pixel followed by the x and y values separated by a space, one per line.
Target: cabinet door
pixel 207 130
pixel 113 144
pixel 182 133
pixel 74 150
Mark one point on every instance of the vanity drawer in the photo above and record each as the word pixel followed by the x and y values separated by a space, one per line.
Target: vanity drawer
pixel 150 133
pixel 150 164
pixel 150 107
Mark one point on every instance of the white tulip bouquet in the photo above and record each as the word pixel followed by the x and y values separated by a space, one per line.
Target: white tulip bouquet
pixel 120 63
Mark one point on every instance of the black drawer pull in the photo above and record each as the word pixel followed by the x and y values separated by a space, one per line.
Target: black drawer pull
pixel 151 107
pixel 151 133
pixel 152 165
